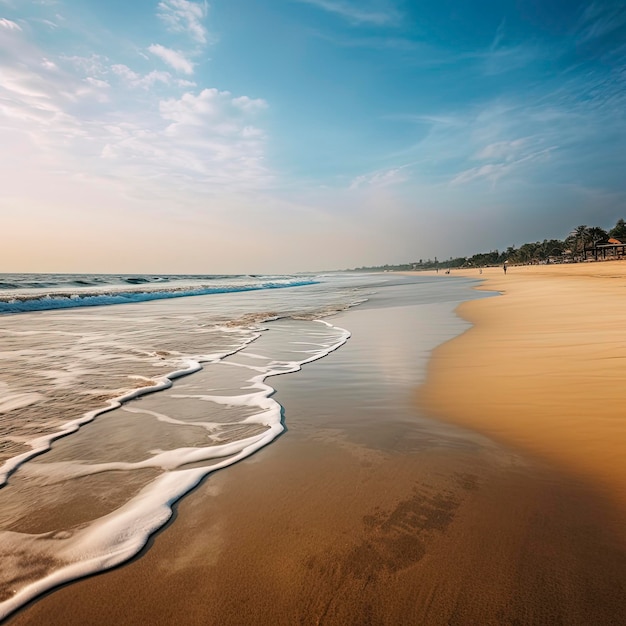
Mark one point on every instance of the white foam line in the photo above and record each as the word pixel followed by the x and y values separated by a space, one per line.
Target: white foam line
pixel 42 444
pixel 168 460
pixel 243 399
pixel 161 417
pixel 120 535
pixel 250 355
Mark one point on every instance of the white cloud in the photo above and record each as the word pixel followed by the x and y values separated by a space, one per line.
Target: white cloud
pixel 8 24
pixel 49 65
pixel 599 19
pixel 505 59
pixel 66 114
pixel 490 171
pixel 205 141
pixel 381 178
pixel 154 77
pixel 504 150
pixel 357 13
pixel 250 132
pixel 96 82
pixel 183 16
pixel 213 110
pixel 249 105
pixel 493 172
pixel 174 58
pixel 146 81
pixel 49 23
pixel 125 72
pixel 94 64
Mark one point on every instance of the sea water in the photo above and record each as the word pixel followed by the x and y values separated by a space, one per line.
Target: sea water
pixel 110 414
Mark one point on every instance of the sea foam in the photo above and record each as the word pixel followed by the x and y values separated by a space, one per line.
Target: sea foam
pixel 23 293
pixel 119 535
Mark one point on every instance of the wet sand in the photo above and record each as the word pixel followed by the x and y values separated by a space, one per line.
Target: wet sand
pixel 368 512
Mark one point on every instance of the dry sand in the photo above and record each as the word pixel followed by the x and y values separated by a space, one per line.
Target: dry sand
pixel 343 522
pixel 544 368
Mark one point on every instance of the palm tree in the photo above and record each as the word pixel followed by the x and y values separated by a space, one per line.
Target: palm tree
pixel 597 235
pixel 581 236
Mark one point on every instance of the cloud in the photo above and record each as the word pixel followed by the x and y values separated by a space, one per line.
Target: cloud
pixel 74 117
pixel 174 58
pixel 183 16
pixel 8 24
pixel 357 13
pixel 49 65
pixel 503 59
pixel 146 81
pixel 49 23
pixel 441 120
pixel 380 178
pixel 213 110
pixel 125 72
pixel 493 172
pixel 600 19
pixel 249 105
pixel 205 141
pixel 96 82
pixel 503 150
pixel 94 64
pixel 490 171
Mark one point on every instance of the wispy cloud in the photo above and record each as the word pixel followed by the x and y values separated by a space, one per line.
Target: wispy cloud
pixel 600 19
pixel 361 12
pixel 249 105
pixel 502 59
pixel 499 36
pixel 205 139
pixel 183 16
pixel 75 114
pixel 149 80
pixel 381 178
pixel 174 58
pixel 503 150
pixel 431 119
pixel 96 82
pixel 8 24
pixel 493 172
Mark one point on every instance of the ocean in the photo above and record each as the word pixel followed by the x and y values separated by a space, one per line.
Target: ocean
pixel 119 394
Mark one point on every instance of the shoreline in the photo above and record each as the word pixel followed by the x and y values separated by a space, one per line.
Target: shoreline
pixel 541 368
pixel 366 511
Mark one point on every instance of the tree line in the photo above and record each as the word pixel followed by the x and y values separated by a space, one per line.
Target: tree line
pixel 581 242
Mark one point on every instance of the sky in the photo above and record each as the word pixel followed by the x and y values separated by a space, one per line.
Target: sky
pixel 253 136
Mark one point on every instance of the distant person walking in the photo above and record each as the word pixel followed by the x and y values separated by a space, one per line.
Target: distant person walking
pixel 504 268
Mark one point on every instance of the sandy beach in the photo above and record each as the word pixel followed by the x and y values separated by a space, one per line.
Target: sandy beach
pixel 369 512
pixel 542 368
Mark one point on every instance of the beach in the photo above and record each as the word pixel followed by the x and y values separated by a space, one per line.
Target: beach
pixel 543 368
pixel 473 482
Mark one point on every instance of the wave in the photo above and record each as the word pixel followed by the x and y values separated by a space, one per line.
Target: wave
pixel 119 535
pixel 137 281
pixel 21 302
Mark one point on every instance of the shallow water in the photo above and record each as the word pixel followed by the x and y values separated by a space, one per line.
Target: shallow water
pixel 92 501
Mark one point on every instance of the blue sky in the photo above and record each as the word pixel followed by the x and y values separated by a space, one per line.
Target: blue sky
pixel 284 135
